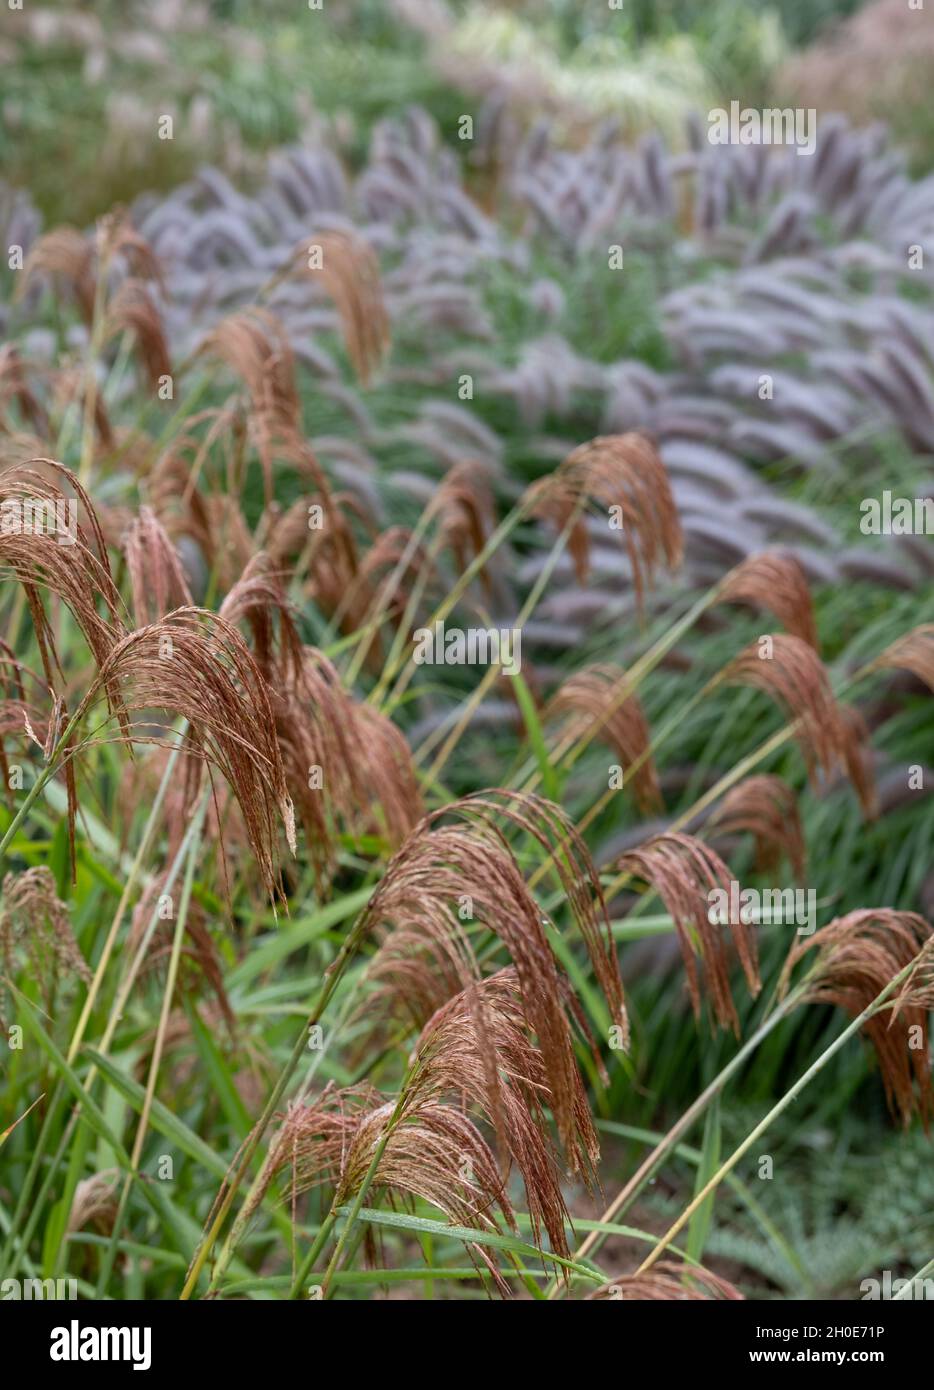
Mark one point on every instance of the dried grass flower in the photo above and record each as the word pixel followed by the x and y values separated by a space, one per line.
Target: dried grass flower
pixel 684 872
pixel 625 475
pixel 857 957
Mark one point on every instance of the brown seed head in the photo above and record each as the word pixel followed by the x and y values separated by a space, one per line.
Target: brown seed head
pixel 684 871
pixel 598 702
pixel 775 581
pixel 623 471
pixel 857 956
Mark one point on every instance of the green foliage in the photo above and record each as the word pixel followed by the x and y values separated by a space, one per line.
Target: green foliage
pixel 824 1221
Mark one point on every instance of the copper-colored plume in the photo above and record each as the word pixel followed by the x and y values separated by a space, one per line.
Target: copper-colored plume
pixel 684 872
pixel 464 507
pixel 344 762
pixel 348 587
pixel 52 540
pixel 596 699
pixel 766 808
pixel 388 770
pixel 193 664
pixel 415 911
pixel 133 310
pixel 857 758
pixel 177 502
pixel 548 824
pixel 914 652
pixel 67 256
pixel 433 1151
pixel 775 581
pixel 323 755
pixel 115 235
pixel 326 554
pixel 172 484
pixel 293 534
pixel 668 1281
pixel 347 268
pixel 858 955
pixel 794 676
pixel 157 580
pixel 33 916
pixel 259 599
pixel 918 989
pixel 476 1049
pixel 366 590
pixel 14 386
pixel 255 345
pixel 624 472
pixel 200 966
pixel 447 876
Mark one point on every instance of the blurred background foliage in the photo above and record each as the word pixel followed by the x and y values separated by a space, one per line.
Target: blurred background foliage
pixel 250 75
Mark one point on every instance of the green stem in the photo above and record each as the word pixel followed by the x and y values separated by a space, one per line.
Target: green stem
pixel 37 785
pixel 364 1188
pixel 628 1194
pixel 178 938
pixel 908 1290
pixel 248 1151
pixel 775 1111
pixel 116 1014
pixel 495 670
pixel 503 530
pixel 311 1258
pixel 142 849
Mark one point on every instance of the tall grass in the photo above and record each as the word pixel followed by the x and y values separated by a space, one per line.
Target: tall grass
pixel 325 971
pixel 398 1136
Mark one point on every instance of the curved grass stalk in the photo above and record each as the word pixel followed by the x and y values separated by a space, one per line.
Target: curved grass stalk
pixel 244 1159
pixel 379 608
pixel 494 671
pixel 570 750
pixel 637 763
pixel 308 1263
pixel 505 528
pixel 156 1059
pixel 628 1194
pixel 728 780
pixel 695 1158
pixel 116 1014
pixel 130 884
pixel 791 1095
